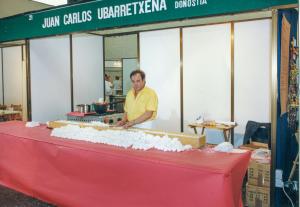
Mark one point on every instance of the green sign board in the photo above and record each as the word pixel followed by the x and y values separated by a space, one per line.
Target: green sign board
pixel 97 15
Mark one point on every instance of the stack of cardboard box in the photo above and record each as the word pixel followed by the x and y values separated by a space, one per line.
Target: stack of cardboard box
pixel 258 186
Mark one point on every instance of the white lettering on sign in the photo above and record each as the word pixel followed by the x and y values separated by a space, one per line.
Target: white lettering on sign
pixel 51 22
pixel 189 3
pixel 134 8
pixel 122 10
pixel 78 17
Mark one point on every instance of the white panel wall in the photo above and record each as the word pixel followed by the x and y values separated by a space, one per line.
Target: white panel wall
pixel 252 72
pixel 87 68
pixel 124 46
pixel 24 85
pixel 129 65
pixel 160 59
pixel 12 73
pixel 50 78
pixel 1 90
pixel 206 74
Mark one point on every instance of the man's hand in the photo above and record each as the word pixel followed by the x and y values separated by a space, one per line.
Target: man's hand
pixel 144 117
pixel 128 124
pixel 121 123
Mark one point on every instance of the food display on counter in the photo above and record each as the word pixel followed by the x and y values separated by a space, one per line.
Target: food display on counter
pixel 32 124
pixel 121 138
pixel 195 141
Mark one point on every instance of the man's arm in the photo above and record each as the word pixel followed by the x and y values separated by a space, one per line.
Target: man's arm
pixel 144 117
pixel 123 121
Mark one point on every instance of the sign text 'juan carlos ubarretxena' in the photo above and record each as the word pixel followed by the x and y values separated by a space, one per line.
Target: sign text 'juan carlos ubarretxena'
pixel 119 11
pixel 104 14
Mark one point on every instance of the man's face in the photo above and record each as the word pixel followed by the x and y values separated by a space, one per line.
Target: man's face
pixel 137 82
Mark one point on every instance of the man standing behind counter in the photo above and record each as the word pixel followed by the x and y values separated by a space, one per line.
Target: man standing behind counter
pixel 141 103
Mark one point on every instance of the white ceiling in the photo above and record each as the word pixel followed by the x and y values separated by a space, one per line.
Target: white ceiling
pixel 53 2
pixel 13 7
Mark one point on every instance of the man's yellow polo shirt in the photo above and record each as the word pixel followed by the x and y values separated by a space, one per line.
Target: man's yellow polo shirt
pixel 146 100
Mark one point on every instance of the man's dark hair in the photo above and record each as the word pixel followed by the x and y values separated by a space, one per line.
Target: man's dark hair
pixel 142 74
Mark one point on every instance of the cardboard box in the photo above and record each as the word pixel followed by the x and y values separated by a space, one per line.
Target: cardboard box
pixel 259 173
pixel 257 196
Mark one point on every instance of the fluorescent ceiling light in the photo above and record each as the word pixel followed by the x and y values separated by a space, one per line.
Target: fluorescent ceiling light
pixel 52 2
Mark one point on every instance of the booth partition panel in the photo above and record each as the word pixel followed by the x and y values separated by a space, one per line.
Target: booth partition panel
pixel 1 82
pixel 129 65
pixel 252 41
pixel 87 68
pixel 50 78
pixel 206 76
pixel 24 84
pixel 123 46
pixel 160 59
pixel 12 75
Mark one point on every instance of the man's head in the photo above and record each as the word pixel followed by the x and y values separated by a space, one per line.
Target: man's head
pixel 106 77
pixel 138 80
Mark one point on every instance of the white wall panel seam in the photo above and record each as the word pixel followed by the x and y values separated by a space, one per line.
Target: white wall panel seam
pixel 253 75
pixel 2 83
pixel 12 73
pixel 50 78
pixel 160 59
pixel 87 68
pixel 206 74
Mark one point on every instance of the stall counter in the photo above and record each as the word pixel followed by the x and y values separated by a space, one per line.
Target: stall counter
pixel 77 173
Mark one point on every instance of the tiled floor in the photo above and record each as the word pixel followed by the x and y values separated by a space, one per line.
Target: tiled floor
pixel 10 198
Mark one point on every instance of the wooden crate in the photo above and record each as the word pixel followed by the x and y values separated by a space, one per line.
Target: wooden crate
pixel 196 141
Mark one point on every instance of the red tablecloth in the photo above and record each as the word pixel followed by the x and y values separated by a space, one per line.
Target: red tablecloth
pixel 76 173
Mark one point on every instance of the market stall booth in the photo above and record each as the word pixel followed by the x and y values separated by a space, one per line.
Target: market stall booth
pixel 213 60
pixel 76 173
pixel 192 87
